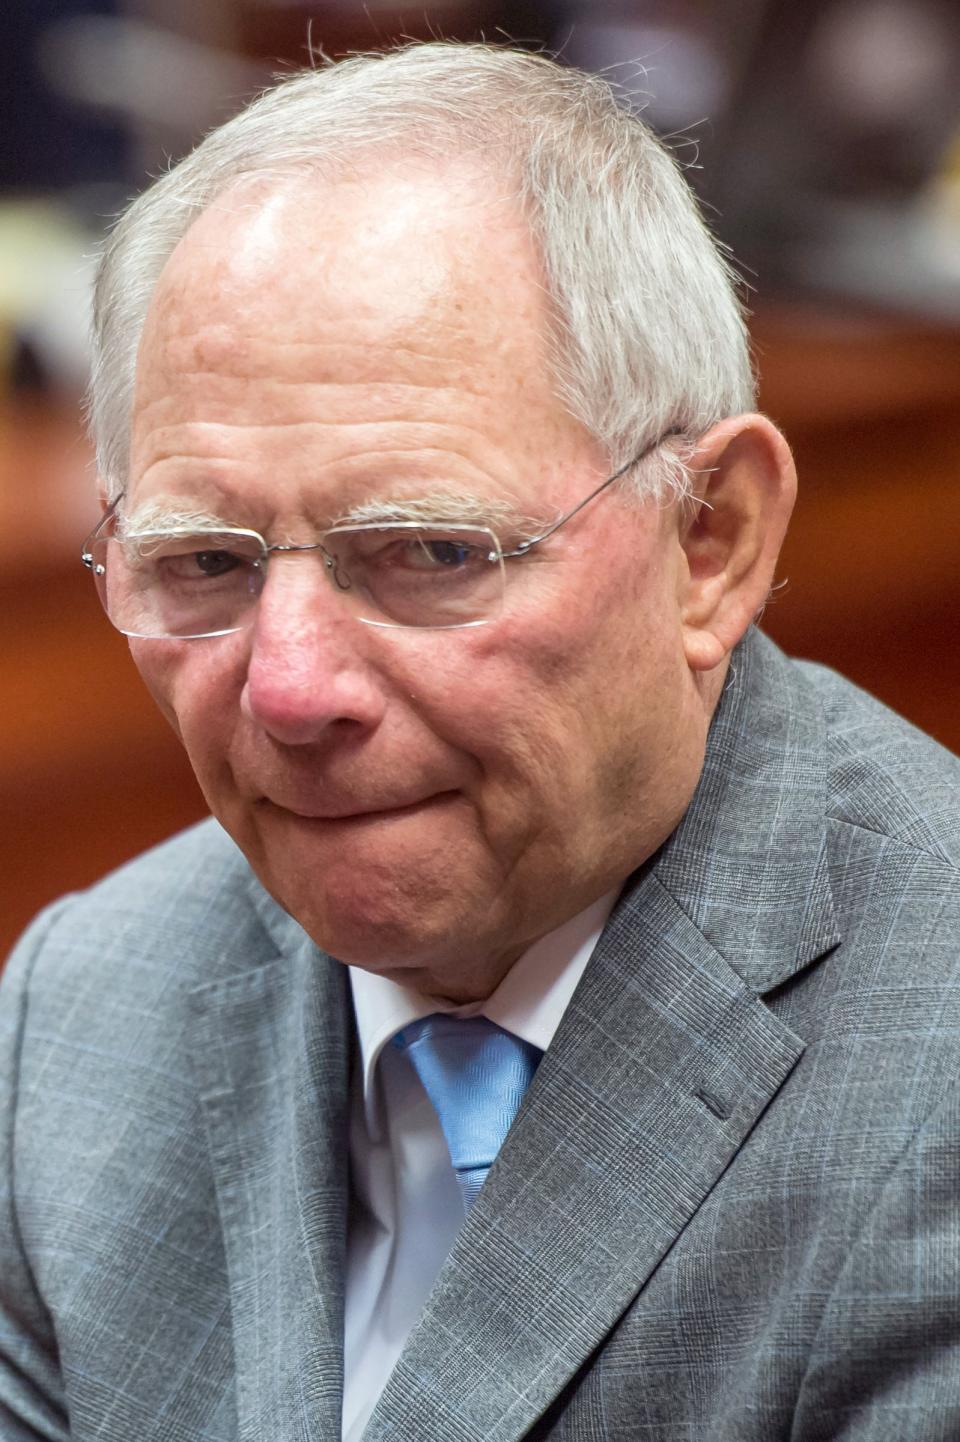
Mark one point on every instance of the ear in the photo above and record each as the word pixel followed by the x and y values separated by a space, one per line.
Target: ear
pixel 744 490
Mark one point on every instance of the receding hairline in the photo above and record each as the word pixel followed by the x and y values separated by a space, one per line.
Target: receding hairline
pixel 563 134
pixel 465 181
pixel 478 191
pixel 530 321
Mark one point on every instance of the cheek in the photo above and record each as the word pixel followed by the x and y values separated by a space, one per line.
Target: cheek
pixel 196 684
pixel 586 696
pixel 519 698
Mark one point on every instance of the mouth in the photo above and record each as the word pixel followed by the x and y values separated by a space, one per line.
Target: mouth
pixel 331 815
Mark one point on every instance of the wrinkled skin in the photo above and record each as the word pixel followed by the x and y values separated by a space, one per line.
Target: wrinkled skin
pixel 424 803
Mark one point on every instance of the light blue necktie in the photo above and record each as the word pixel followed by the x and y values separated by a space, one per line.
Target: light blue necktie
pixel 475 1074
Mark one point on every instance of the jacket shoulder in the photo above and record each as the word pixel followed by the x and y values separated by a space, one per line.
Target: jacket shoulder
pixel 178 914
pixel 884 775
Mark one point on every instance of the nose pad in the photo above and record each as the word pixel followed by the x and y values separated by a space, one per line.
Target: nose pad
pixel 335 571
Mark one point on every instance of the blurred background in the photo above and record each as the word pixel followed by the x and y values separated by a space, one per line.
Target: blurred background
pixel 824 140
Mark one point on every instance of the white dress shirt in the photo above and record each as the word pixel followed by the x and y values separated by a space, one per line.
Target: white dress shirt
pixel 406 1206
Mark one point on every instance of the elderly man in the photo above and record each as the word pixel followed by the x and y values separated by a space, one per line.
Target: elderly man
pixel 438 517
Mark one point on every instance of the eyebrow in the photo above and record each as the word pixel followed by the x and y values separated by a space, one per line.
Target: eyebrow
pixel 431 508
pixel 434 507
pixel 161 516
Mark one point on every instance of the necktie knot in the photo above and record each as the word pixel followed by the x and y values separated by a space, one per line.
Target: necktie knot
pixel 475 1074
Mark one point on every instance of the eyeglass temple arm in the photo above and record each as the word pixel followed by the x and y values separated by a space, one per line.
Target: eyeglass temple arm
pixel 85 555
pixel 520 550
pixel 528 545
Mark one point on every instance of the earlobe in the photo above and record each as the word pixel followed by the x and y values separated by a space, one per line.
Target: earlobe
pixel 744 492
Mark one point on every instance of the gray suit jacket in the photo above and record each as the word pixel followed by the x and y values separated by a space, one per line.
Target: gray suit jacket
pixel 729 1208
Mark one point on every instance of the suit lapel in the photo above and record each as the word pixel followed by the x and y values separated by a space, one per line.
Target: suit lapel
pixel 660 1068
pixel 662 1065
pixel 748 863
pixel 271 1048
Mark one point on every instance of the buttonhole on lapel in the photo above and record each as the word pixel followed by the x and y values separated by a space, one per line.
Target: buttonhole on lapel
pixel 713 1103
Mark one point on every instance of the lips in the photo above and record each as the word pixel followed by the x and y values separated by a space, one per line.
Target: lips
pixel 354 810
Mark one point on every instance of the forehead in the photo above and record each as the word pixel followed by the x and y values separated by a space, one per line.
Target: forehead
pixel 402 307
pixel 388 264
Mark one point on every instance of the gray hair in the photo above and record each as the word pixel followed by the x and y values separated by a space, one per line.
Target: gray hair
pixel 649 335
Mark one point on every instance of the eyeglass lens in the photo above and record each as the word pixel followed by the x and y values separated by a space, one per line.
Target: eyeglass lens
pixel 207 582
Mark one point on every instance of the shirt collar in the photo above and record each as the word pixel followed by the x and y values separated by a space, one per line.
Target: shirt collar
pixel 529 1001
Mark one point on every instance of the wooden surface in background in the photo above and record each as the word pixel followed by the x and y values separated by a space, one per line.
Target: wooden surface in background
pixel 90 774
pixel 872 412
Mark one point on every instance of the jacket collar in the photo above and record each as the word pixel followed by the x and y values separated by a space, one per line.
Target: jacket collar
pixel 662 1066
pixel 658 1072
pixel 748 864
pixel 271 1048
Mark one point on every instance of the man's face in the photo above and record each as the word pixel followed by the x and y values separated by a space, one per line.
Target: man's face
pixel 425 803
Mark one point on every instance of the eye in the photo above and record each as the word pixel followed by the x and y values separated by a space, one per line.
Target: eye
pixel 214 563
pixel 425 552
pixel 188 565
pixel 440 553
pixel 181 560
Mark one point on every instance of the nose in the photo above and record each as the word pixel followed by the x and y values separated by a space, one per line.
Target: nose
pixel 309 668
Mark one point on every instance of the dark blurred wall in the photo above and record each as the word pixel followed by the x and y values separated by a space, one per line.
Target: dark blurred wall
pixel 50 144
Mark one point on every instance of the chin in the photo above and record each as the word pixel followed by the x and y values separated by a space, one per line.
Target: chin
pixel 381 922
pixel 392 897
pixel 436 964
